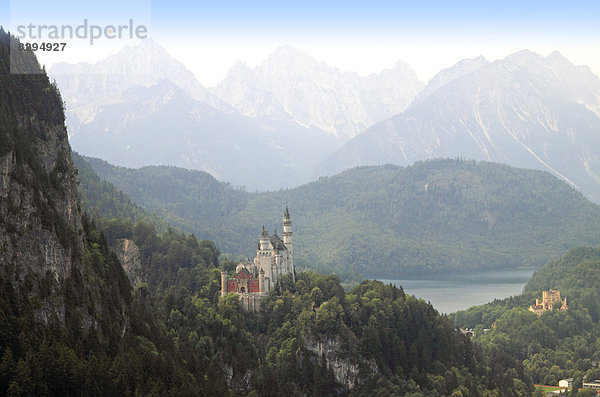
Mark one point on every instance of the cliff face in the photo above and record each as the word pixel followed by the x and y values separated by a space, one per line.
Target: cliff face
pixel 130 258
pixel 45 255
pixel 347 366
pixel 40 232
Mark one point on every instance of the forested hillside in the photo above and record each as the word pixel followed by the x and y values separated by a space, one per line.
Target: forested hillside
pixel 388 221
pixel 312 336
pixel 558 344
pixel 70 323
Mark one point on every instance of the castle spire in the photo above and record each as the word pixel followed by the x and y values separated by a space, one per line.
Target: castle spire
pixel 287 229
pixel 287 241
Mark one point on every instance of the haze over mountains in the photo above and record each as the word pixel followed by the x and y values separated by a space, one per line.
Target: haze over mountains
pixel 144 65
pixel 291 119
pixel 524 110
pixel 163 124
pixel 290 84
pixel 142 107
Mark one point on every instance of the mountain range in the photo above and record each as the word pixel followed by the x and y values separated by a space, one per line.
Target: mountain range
pixel 142 107
pixel 292 119
pixel 143 65
pixel 290 84
pixel 163 124
pixel 524 110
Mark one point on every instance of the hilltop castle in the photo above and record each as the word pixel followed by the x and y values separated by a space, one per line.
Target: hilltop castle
pixel 549 299
pixel 254 279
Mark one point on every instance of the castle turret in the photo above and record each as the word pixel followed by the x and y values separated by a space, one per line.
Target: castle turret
pixel 223 283
pixel 264 239
pixel 261 281
pixel 287 240
pixel 287 230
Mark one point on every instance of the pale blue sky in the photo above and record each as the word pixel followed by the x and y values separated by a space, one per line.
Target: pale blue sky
pixel 360 36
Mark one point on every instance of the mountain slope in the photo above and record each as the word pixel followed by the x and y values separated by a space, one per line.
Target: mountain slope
pixel 70 323
pixel 291 85
pixel 142 107
pixel 143 65
pixel 61 289
pixel 40 223
pixel 164 125
pixel 383 221
pixel 524 110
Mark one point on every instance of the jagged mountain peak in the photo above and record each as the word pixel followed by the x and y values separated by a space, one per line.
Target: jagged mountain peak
pixel 147 45
pixel 291 84
pixel 522 56
pixel 461 68
pixel 147 59
pixel 558 58
pixel 531 60
pixel 288 51
pixel 239 66
pixel 445 76
pixel 401 65
pixel 144 64
pixel 288 62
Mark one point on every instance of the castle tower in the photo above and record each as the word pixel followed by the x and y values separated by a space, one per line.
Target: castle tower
pixel 287 229
pixel 223 283
pixel 264 258
pixel 287 240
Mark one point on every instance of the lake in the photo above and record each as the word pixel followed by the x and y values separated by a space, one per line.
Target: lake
pixel 460 291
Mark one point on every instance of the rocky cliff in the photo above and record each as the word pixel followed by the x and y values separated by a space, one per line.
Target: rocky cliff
pixel 130 257
pixel 349 369
pixel 45 254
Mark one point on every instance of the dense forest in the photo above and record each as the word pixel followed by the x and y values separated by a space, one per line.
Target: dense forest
pixel 557 344
pixel 72 323
pixel 385 222
pixel 374 338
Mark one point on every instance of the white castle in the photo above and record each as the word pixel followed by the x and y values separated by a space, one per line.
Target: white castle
pixel 254 279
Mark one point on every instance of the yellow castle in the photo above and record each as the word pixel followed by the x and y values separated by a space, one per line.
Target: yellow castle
pixel 549 299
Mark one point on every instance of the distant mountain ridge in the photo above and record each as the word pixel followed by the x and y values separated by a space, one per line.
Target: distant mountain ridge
pixel 142 107
pixel 293 113
pixel 524 110
pixel 163 124
pixel 290 84
pixel 144 65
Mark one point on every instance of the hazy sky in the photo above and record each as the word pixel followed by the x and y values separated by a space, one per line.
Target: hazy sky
pixel 208 37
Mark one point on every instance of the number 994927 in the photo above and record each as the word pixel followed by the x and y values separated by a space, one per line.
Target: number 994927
pixel 42 46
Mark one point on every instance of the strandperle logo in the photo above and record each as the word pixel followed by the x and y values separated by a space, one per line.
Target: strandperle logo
pixel 83 31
